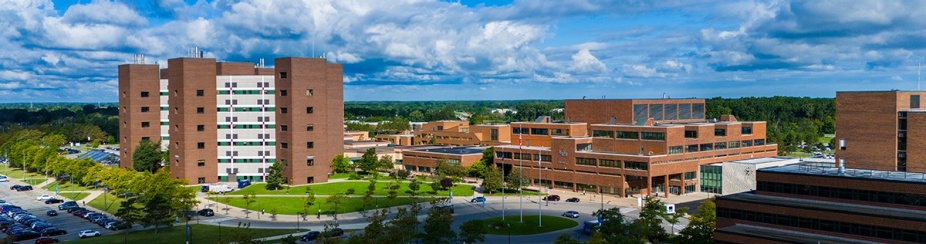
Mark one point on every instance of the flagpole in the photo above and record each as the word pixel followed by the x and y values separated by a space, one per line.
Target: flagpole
pixel 520 174
pixel 540 203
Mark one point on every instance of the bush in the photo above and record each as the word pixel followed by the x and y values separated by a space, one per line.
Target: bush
pixel 350 191
pixel 403 174
pixel 354 176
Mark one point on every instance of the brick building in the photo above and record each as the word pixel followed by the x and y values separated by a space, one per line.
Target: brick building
pixel 226 121
pixel 802 203
pixel 647 146
pixel 425 160
pixel 461 133
pixel 882 130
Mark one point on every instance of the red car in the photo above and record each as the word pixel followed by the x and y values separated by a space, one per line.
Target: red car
pixel 45 240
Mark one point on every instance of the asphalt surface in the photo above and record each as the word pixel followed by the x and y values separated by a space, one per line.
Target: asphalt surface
pixel 64 220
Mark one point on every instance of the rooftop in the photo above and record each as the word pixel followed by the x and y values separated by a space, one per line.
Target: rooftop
pixel 811 169
pixel 765 160
pixel 454 150
pixel 785 235
pixel 827 206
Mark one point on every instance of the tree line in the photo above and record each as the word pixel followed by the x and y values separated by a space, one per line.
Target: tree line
pixel 790 120
pixel 77 123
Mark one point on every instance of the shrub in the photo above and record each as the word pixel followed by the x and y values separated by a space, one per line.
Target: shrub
pixel 354 176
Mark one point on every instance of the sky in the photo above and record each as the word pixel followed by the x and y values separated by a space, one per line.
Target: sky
pixel 402 50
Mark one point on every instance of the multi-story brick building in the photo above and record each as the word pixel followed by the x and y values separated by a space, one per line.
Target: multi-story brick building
pixel 641 149
pixel 803 203
pixel 225 121
pixel 424 160
pixel 882 130
pixel 460 133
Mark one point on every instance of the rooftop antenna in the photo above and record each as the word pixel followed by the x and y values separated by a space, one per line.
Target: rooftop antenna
pixel 918 69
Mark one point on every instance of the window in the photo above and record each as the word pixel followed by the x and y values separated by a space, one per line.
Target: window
pixel 842 144
pixel 310 144
pixel 720 132
pixel 691 134
pixel 283 110
pixel 200 127
pixel 603 133
pixel 284 128
pixel 735 144
pixel 494 134
pixel 310 179
pixel 146 138
pixel 746 130
pixel 759 142
pixel 586 161
pixel 282 75
pixel 540 131
pixel 610 163
pixel 145 124
pixel 200 93
pixel 201 163
pixel 519 131
pixel 675 149
pixel 309 127
pixel 914 101
pixel 200 110
pixel 284 145
pixel 691 175
pixel 309 110
pixel 691 148
pixel 653 136
pixel 144 94
pixel 720 145
pixel 145 109
pixel 201 145
pixel 310 161
pixel 636 165
pixel 707 147
pixel 282 93
pixel 628 135
pixel 201 180
pixel 309 92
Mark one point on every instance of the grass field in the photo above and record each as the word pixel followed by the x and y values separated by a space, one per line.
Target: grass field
pixel 359 187
pixel 76 196
pixel 176 234
pixel 529 227
pixel 67 186
pixel 339 176
pixel 112 203
pixel 293 205
pixel 17 173
pixel 34 181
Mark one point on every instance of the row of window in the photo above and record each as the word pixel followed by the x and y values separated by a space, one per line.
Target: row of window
pixel 247 160
pixel 718 146
pixel 824 225
pixel 246 92
pixel 612 163
pixel 912 199
pixel 248 143
pixel 540 131
pixel 531 157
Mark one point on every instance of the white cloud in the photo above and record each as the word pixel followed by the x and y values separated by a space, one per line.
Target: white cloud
pixel 584 62
pixel 896 77
pixel 103 12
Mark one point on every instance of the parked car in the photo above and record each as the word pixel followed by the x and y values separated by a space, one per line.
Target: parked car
pixel 67 205
pixel 571 214
pixel 573 199
pixel 45 240
pixel 310 236
pixel 43 197
pixel 334 232
pixel 53 200
pixel 447 207
pixel 54 232
pixel 51 213
pixel 551 198
pixel 88 233
pixel 24 188
pixel 206 212
pixel 13 187
pixel 118 225
pixel 478 199
pixel 4 179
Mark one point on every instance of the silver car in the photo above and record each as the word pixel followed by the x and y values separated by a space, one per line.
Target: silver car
pixel 571 214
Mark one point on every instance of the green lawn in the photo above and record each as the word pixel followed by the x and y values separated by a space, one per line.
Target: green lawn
pixel 359 187
pixel 339 176
pixel 17 173
pixel 112 203
pixel 34 181
pixel 529 227
pixel 293 205
pixel 67 186
pixel 76 196
pixel 176 234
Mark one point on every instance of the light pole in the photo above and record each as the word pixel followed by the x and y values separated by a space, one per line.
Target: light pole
pixel 521 174
pixel 540 180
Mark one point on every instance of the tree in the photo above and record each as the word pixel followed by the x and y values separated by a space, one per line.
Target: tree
pixel 226 200
pixel 404 226
pixel 129 212
pixel 493 180
pixel 376 227
pixel 473 231
pixel 341 164
pixel 336 200
pixel 157 212
pixel 273 213
pixel 248 200
pixel 446 183
pixel 368 161
pixel 444 168
pixel 147 156
pixel 402 174
pixel 414 186
pixel 386 163
pixel 614 229
pixel 673 218
pixel 275 178
pixel 393 189
pixel 437 226
pixel 243 235
pixel 701 227
pixel 515 180
pixel 325 237
pixel 368 196
pixel 307 202
pixel 649 225
pixel 566 238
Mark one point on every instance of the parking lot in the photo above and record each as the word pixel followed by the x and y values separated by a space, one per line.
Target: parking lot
pixel 66 221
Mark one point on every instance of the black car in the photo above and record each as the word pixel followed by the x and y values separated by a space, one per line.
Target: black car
pixel 24 188
pixel 118 225
pixel 311 236
pixel 51 213
pixel 53 200
pixel 13 187
pixel 574 199
pixel 334 232
pixel 53 232
pixel 67 205
pixel 551 198
pixel 206 212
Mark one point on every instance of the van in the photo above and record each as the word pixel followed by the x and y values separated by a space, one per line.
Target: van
pixel 220 188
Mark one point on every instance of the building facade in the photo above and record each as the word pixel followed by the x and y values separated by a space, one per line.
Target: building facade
pixel 803 203
pixel 881 130
pixel 424 160
pixel 460 133
pixel 653 157
pixel 224 121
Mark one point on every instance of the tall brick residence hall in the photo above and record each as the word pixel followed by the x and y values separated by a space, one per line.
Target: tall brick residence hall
pixel 228 121
pixel 630 146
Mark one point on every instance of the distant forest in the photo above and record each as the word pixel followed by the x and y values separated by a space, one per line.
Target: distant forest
pixel 791 120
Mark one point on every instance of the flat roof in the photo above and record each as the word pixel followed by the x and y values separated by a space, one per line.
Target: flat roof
pixel 786 235
pixel 809 169
pixel 454 150
pixel 764 160
pixel 868 210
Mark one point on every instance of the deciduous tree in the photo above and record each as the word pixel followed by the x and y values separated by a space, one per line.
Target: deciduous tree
pixel 275 178
pixel 341 164
pixel 147 156
pixel 473 231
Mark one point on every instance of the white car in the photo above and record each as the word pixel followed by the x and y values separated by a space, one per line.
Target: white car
pixel 43 197
pixel 4 179
pixel 88 233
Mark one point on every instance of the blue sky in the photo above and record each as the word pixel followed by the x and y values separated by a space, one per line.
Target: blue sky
pixel 68 50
